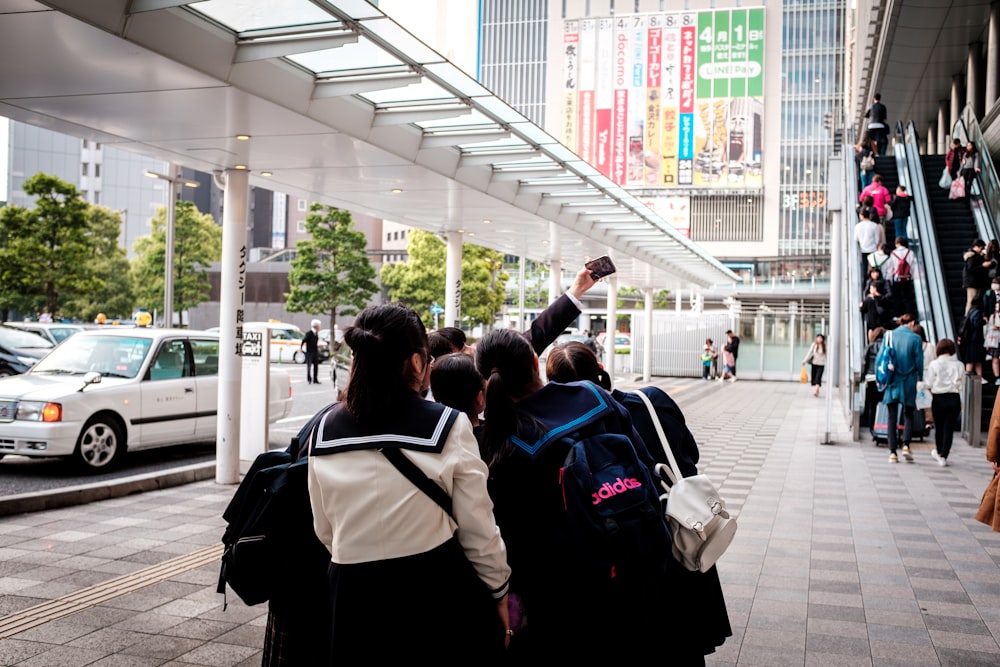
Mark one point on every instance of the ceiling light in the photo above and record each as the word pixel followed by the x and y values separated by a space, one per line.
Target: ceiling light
pixel 487 221
pixel 240 167
pixel 265 173
pixel 243 137
pixel 396 191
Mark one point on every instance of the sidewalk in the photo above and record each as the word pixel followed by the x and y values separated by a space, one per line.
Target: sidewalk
pixel 841 557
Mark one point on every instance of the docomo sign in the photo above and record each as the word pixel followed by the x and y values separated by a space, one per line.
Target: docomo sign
pixel 621 60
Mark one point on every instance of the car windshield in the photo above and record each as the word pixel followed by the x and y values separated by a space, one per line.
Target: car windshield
pixel 111 356
pixel 14 338
pixel 62 333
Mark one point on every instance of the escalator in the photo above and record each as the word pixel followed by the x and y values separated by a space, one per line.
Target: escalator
pixel 956 230
pixel 885 166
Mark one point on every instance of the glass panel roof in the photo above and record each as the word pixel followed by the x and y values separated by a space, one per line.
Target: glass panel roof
pixel 244 15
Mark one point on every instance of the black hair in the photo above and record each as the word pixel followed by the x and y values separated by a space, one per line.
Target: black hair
pixel 878 96
pixel 455 382
pixel 439 345
pixel 383 339
pixel 455 336
pixel 575 361
pixel 903 241
pixel 506 360
pixel 945 346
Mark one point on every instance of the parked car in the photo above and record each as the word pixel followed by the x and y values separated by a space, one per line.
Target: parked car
pixel 286 341
pixel 102 392
pixel 55 332
pixel 623 343
pixel 19 350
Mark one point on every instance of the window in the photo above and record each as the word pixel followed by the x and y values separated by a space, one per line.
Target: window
pixel 85 168
pixel 206 357
pixel 85 143
pixel 97 170
pixel 303 204
pixel 171 361
pixel 388 236
pixel 97 197
pixel 300 226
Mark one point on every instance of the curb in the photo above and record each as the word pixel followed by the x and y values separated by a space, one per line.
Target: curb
pixel 88 493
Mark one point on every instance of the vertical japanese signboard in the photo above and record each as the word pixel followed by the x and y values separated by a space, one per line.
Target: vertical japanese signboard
pixel 571 56
pixel 669 99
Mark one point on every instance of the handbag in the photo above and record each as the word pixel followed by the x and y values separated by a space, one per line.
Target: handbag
pixel 804 376
pixel 700 525
pixel 924 399
pixel 957 189
pixel 945 180
pixel 867 163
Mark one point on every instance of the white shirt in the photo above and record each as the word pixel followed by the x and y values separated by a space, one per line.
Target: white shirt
pixel 365 510
pixel 897 256
pixel 945 375
pixel 867 234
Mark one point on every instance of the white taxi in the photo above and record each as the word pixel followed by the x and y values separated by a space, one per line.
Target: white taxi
pixel 104 391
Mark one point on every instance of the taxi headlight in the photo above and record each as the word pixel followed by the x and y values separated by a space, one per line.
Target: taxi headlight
pixel 39 411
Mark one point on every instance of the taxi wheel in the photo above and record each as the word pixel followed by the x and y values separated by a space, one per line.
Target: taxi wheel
pixel 299 357
pixel 100 444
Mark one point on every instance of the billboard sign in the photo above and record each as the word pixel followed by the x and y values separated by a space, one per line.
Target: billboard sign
pixel 668 99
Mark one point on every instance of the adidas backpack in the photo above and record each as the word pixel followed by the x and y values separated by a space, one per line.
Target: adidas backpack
pixel 613 510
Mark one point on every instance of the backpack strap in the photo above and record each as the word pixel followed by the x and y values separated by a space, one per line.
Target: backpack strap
pixel 674 468
pixel 410 470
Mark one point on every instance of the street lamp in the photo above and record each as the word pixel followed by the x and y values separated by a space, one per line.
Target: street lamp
pixel 168 268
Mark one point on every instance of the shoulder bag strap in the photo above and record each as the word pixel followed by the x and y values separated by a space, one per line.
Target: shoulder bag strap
pixel 674 468
pixel 410 470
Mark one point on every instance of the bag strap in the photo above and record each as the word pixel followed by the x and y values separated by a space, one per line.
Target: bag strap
pixel 674 468
pixel 410 470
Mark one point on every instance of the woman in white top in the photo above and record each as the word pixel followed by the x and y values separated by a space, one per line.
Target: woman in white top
pixel 409 580
pixel 944 379
pixel 817 357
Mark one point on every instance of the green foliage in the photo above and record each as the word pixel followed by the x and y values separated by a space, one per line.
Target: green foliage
pixel 631 297
pixel 197 243
pixel 61 256
pixel 112 293
pixel 420 282
pixel 331 272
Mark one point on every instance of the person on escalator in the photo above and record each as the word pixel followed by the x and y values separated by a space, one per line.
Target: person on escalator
pixel 970 166
pixel 953 160
pixel 975 273
pixel 901 270
pixel 879 194
pixel 899 204
pixel 878 124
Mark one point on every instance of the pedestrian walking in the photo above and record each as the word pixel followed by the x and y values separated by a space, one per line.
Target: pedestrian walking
pixel 730 353
pixel 310 343
pixel 989 508
pixel 709 359
pixel 944 378
pixel 901 392
pixel 816 358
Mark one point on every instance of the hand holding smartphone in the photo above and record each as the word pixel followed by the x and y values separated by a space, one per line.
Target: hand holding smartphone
pixel 600 267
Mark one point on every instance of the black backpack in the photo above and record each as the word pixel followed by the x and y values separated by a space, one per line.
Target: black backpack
pixel 614 513
pixel 269 523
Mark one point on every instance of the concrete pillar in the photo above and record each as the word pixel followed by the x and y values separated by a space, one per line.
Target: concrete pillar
pixel 235 255
pixel 931 138
pixel 555 280
pixel 943 130
pixel 973 77
pixel 957 100
pixel 612 326
pixel 993 58
pixel 453 280
pixel 647 336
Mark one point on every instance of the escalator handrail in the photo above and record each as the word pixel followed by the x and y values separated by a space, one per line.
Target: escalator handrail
pixel 932 300
pixel 857 339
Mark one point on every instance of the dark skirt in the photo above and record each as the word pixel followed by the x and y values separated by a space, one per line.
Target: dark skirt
pixel 427 606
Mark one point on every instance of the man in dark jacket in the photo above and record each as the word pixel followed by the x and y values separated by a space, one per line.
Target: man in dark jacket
pixel 878 126
pixel 900 205
pixel 975 273
pixel 733 347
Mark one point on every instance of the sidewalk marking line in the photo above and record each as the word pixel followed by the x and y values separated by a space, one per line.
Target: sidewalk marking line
pixel 92 596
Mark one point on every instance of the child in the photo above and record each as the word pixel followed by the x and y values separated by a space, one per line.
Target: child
pixel 709 358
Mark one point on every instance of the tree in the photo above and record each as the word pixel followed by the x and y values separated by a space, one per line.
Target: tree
pixel 331 272
pixel 197 243
pixel 633 297
pixel 45 259
pixel 112 292
pixel 420 282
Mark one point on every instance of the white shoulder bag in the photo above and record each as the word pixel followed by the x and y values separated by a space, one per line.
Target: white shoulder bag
pixel 700 525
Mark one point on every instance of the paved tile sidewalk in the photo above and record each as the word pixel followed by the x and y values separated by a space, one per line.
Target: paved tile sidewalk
pixel 841 558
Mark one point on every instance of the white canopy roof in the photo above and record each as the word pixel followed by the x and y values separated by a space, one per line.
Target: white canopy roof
pixel 341 105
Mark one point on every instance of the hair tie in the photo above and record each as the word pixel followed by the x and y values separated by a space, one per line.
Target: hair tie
pixel 494 370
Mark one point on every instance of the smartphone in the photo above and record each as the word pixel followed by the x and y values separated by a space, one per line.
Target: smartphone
pixel 600 267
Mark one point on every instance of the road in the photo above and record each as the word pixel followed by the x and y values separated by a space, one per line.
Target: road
pixel 19 474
